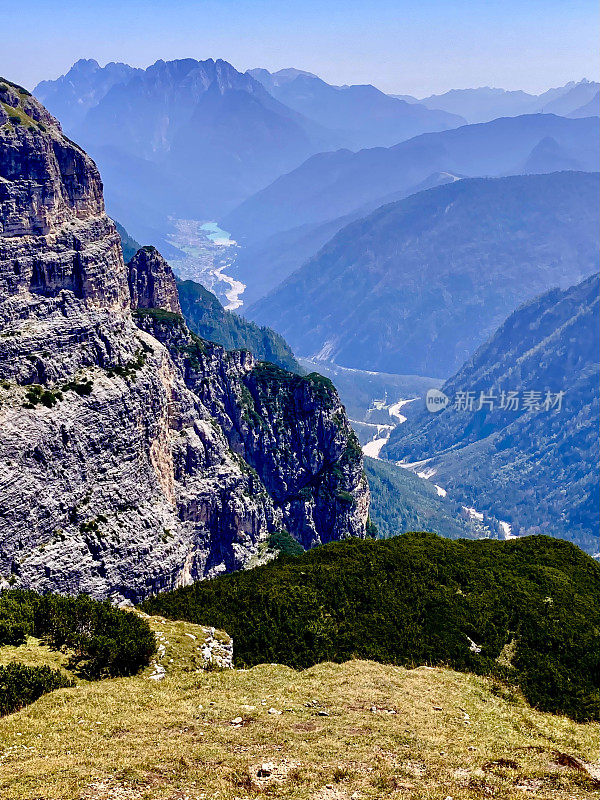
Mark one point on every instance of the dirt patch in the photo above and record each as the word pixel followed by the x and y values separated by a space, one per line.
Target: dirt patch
pixel 577 764
pixel 500 763
pixel 268 774
pixel 333 793
pixel 107 790
pixel 306 726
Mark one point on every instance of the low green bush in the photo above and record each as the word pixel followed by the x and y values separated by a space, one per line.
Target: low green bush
pixel 419 599
pixel 285 544
pixel 104 641
pixel 36 395
pixel 16 621
pixel 21 685
pixel 81 387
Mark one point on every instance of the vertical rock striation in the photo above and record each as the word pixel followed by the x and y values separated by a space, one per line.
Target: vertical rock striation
pixel 292 431
pixel 134 456
pixel 151 282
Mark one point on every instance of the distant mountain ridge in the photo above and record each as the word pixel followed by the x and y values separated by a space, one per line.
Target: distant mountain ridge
pixel 192 139
pixel 194 136
pixel 537 468
pixel 363 115
pixel 72 95
pixel 262 266
pixel 419 284
pixel 589 109
pixel 334 184
pixel 485 103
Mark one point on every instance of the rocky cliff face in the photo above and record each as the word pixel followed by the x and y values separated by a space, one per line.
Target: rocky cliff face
pixel 290 431
pixel 151 281
pixel 127 461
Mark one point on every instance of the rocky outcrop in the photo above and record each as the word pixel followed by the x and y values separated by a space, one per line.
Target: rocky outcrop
pixel 127 461
pixel 54 234
pixel 151 281
pixel 292 431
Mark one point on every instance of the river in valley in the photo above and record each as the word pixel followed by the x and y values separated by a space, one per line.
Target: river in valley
pixel 208 254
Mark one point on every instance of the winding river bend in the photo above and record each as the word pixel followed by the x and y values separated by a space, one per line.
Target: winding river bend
pixel 208 253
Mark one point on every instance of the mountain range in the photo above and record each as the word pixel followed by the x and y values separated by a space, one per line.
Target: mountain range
pixel 334 184
pixel 182 138
pixel 264 264
pixel 485 103
pixel 418 285
pixel 400 257
pixel 192 139
pixel 533 462
pixel 362 116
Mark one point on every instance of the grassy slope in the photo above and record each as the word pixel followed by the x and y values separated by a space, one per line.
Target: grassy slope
pixel 134 739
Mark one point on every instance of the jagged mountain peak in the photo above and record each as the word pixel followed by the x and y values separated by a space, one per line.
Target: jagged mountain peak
pixel 73 94
pixel 83 65
pixel 198 74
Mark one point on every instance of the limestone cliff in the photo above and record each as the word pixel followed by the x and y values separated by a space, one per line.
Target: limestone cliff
pixel 134 456
pixel 292 431
pixel 151 281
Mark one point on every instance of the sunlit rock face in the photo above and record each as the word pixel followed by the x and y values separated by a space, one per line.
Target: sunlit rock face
pixel 126 465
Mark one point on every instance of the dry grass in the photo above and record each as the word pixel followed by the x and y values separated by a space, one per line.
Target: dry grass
pixel 130 739
pixel 34 654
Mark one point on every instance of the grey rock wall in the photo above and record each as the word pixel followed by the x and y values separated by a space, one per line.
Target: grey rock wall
pixel 131 457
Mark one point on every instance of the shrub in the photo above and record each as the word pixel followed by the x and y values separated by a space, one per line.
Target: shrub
pixel 83 387
pixel 346 497
pixel 284 542
pixel 129 369
pixel 16 621
pixel 21 685
pixel 36 395
pixel 105 640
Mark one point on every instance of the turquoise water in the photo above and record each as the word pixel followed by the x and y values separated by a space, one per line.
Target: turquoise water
pixel 214 233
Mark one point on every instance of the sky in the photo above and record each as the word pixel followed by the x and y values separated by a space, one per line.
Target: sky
pixel 416 48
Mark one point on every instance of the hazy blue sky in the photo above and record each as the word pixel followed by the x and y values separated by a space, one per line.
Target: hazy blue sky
pixel 410 47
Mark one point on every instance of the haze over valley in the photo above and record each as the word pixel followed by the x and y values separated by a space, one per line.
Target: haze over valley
pixel 299 401
pixel 379 233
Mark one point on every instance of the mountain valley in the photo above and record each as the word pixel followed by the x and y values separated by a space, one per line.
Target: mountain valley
pixel 530 462
pixel 419 284
pixel 299 402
